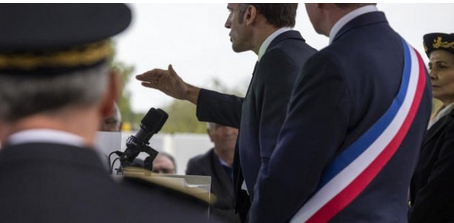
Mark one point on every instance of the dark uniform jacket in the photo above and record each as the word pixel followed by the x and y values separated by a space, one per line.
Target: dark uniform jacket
pixel 208 164
pixel 432 185
pixel 342 91
pixel 43 182
pixel 260 114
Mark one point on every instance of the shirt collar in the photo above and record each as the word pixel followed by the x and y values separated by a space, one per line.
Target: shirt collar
pixel 45 135
pixel 347 18
pixel 223 163
pixel 270 38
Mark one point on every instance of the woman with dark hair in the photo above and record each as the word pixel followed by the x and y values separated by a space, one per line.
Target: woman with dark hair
pixel 432 185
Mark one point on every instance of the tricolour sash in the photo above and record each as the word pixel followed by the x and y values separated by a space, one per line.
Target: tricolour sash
pixel 352 170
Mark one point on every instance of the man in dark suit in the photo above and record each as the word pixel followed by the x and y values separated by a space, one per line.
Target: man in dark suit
pixel 55 88
pixel 266 30
pixel 356 118
pixel 217 163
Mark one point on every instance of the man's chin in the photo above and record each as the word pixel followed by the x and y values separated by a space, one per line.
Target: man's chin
pixel 237 49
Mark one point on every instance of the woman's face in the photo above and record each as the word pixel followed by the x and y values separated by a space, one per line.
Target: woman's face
pixel 441 70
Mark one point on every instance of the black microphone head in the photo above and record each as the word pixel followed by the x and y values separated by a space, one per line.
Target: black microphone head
pixel 153 121
pixel 164 116
pixel 151 124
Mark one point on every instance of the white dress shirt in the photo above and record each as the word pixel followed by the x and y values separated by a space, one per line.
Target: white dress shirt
pixel 47 136
pixel 269 39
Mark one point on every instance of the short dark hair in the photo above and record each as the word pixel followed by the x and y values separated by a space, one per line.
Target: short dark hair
pixel 276 14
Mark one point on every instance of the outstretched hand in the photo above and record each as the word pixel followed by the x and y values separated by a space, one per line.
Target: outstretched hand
pixel 169 83
pixel 166 81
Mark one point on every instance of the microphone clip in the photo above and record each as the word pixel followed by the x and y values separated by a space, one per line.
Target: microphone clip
pixel 135 146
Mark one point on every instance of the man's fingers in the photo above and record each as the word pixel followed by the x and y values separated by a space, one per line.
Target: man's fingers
pixel 149 85
pixel 171 70
pixel 140 77
pixel 158 78
pixel 166 81
pixel 145 76
pixel 155 73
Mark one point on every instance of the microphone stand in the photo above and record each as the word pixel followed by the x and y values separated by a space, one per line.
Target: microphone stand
pixel 150 124
pixel 135 146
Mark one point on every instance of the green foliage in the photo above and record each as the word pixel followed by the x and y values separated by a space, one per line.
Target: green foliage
pixel 182 118
pixel 182 114
pixel 124 71
pixel 128 115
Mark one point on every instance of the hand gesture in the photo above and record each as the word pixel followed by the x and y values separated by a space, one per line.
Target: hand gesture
pixel 169 83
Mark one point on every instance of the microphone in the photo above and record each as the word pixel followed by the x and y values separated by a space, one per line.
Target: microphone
pixel 150 125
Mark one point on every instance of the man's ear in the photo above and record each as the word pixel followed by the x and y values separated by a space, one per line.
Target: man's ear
pixel 250 15
pixel 110 95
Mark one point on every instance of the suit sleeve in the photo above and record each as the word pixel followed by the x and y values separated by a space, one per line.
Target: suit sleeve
pixel 220 108
pixel 434 202
pixel 312 133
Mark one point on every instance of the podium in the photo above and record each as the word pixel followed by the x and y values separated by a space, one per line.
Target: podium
pixel 194 185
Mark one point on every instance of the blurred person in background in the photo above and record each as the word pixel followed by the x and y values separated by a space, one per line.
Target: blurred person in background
pixel 112 123
pixel 217 163
pixel 164 163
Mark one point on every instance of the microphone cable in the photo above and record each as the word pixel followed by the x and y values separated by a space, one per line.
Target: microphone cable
pixel 111 165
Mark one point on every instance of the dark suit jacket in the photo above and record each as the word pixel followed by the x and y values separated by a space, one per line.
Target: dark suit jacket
pixel 208 164
pixel 260 114
pixel 44 182
pixel 342 91
pixel 432 185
